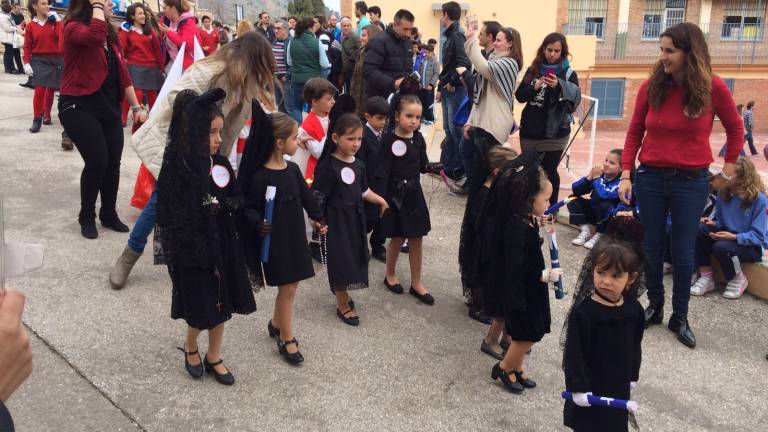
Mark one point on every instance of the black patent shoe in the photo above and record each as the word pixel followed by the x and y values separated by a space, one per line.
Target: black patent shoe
pixel 226 379
pixel 654 314
pixel 488 349
pixel 88 230
pixel 115 224
pixel 292 358
pixel 425 298
pixel 525 382
pixel 379 254
pixel 395 288
pixel 273 331
pixel 680 327
pixel 479 316
pixel 498 373
pixel 353 321
pixel 197 370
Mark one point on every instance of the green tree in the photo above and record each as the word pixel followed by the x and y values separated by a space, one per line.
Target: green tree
pixel 318 7
pixel 301 8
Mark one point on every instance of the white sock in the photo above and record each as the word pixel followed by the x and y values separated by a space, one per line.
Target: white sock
pixel 585 229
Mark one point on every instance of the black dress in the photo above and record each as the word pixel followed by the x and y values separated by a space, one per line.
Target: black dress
pixel 289 259
pixel 469 248
pixel 530 322
pixel 602 356
pixel 207 296
pixel 397 179
pixel 342 186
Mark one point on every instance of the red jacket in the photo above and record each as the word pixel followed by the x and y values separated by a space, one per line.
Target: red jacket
pixel 209 42
pixel 668 138
pixel 85 62
pixel 141 49
pixel 186 31
pixel 42 39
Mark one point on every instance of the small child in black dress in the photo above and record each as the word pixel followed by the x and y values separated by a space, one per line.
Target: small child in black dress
pixel 604 329
pixel 341 186
pixel 403 158
pixel 517 281
pixel 197 204
pixel 272 138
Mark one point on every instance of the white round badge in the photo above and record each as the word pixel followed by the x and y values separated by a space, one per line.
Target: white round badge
pixel 399 148
pixel 348 175
pixel 220 176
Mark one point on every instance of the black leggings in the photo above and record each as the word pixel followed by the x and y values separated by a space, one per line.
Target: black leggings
pixel 549 162
pixel 12 55
pixel 99 139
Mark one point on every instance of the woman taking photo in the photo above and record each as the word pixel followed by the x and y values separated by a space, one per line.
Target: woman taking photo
pixel 179 26
pixel 307 59
pixel 550 91
pixel 356 86
pixel 10 36
pixel 243 69
pixel 670 128
pixel 94 83
pixel 141 48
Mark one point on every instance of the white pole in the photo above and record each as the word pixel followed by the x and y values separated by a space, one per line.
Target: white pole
pixel 594 132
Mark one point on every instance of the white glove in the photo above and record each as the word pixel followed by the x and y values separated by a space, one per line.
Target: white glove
pixel 581 400
pixel 551 274
pixel 632 385
pixel 28 70
pixel 54 15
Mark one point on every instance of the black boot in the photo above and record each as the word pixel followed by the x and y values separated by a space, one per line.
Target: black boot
pixel 37 123
pixel 654 314
pixel 88 229
pixel 27 84
pixel 680 327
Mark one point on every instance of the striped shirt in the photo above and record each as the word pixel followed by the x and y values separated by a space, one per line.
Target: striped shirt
pixel 748 119
pixel 281 60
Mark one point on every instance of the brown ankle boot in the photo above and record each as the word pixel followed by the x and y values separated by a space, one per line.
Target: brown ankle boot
pixel 122 268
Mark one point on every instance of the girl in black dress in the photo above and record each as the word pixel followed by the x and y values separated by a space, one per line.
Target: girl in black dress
pixel 341 186
pixel 604 329
pixel 271 140
pixel 197 205
pixel 517 281
pixel 403 158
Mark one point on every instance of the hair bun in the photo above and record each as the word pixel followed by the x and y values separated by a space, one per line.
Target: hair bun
pixel 627 229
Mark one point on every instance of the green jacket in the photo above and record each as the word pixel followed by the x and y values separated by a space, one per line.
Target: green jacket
pixel 305 58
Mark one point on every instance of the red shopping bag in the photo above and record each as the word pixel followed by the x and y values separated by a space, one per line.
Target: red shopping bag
pixel 143 188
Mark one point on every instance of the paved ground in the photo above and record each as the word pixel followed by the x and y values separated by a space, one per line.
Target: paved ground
pixel 106 361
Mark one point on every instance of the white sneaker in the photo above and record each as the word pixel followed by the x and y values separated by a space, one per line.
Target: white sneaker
pixel 703 285
pixel 736 286
pixel 668 268
pixel 592 242
pixel 582 238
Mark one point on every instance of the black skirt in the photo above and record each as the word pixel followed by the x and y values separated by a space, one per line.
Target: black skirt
pixel 408 214
pixel 198 297
pixel 146 77
pixel 47 71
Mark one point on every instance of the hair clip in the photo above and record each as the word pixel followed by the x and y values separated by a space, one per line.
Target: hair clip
pixel 520 168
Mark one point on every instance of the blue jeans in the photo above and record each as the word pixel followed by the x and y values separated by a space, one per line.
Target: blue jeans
pixel 297 93
pixel 453 165
pixel 682 194
pixel 137 240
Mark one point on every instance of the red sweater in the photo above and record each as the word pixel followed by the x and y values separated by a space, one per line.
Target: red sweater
pixel 42 39
pixel 186 32
pixel 141 49
pixel 85 62
pixel 209 42
pixel 667 138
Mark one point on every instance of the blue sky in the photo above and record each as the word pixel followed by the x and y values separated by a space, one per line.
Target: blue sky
pixel 333 4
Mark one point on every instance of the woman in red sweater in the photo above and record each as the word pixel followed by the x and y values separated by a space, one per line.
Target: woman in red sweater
pixel 179 26
pixel 141 48
pixel 94 83
pixel 42 60
pixel 670 128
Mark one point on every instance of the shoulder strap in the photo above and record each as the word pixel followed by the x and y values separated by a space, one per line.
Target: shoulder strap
pixel 568 73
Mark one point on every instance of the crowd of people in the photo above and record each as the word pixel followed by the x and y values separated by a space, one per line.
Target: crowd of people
pixel 329 157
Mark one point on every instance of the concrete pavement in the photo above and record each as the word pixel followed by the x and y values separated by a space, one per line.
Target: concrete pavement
pixel 106 360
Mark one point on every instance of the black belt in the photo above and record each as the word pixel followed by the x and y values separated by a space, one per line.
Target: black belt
pixel 671 172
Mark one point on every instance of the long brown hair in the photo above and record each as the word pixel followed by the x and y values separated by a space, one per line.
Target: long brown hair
pixel 540 59
pixel 81 10
pixel 248 64
pixel 516 50
pixel 697 81
pixel 130 11
pixel 746 183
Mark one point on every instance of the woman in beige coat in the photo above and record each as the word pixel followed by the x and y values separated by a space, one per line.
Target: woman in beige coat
pixel 243 68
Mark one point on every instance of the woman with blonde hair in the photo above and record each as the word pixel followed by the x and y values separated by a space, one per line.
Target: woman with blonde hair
pixel 243 69
pixel 244 27
pixel 671 124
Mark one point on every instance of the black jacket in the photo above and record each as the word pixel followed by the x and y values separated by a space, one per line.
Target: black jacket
pixel 545 115
pixel 387 59
pixel 453 56
pixel 269 33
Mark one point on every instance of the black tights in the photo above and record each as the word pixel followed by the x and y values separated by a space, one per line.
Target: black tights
pixel 549 162
pixel 99 139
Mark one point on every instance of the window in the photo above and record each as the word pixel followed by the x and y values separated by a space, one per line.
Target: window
pixel 610 93
pixel 660 15
pixel 238 14
pixel 587 17
pixel 743 20
pixel 730 82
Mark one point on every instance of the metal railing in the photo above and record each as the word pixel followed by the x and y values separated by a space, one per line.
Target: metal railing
pixel 737 44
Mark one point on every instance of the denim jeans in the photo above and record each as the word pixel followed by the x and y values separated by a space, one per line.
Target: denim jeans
pixel 724 252
pixel 453 165
pixel 137 240
pixel 682 194
pixel 297 108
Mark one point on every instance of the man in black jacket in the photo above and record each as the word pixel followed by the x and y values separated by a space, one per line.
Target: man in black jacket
pixel 451 90
pixel 388 57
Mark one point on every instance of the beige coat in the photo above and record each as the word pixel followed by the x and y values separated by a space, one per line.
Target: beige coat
pixel 492 114
pixel 151 138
